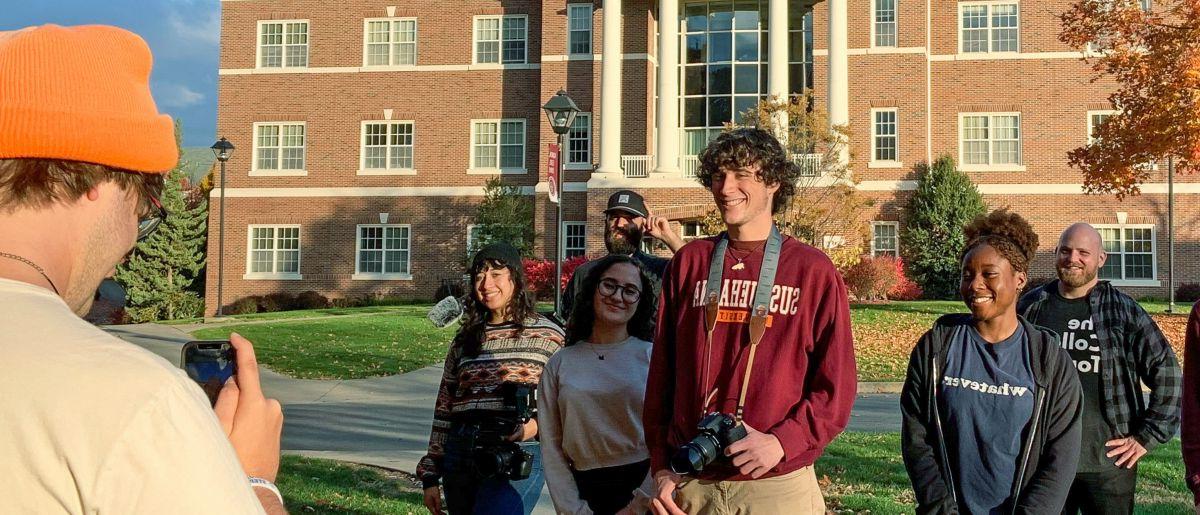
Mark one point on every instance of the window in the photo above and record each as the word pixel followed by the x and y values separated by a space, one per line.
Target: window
pixel 579 140
pixel 576 239
pixel 500 39
pixel 473 241
pixel 498 144
pixel 885 239
pixel 1095 118
pixel 579 29
pixel 387 146
pixel 390 42
pixel 383 252
pixel 274 252
pixel 283 44
pixel 885 22
pixel 884 145
pixel 988 27
pixel 990 140
pixel 1130 250
pixel 692 230
pixel 279 148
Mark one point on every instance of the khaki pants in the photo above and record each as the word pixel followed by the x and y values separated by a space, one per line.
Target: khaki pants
pixel 793 493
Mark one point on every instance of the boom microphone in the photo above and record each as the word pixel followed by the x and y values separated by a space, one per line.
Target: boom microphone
pixel 446 312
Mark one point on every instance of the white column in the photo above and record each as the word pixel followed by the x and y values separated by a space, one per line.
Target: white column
pixel 839 82
pixel 777 56
pixel 667 110
pixel 610 90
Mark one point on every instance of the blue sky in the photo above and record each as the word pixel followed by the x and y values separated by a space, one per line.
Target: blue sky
pixel 184 36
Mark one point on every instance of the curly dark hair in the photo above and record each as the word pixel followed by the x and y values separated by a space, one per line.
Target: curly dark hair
pixel 1008 233
pixel 475 314
pixel 739 148
pixel 583 315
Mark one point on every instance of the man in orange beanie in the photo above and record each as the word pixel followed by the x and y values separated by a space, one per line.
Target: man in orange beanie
pixel 93 424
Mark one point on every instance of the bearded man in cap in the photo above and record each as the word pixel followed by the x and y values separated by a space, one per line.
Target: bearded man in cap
pixel 627 221
pixel 93 424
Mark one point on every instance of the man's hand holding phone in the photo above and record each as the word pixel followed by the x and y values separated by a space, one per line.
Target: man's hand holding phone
pixel 253 422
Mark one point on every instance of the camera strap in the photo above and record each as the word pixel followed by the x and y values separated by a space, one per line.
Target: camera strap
pixel 758 310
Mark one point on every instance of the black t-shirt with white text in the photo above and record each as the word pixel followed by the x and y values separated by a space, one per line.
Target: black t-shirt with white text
pixel 1072 320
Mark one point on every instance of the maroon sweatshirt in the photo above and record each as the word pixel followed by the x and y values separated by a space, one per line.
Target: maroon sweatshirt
pixel 1190 429
pixel 804 380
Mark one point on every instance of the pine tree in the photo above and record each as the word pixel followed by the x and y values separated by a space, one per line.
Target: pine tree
pixel 505 215
pixel 161 268
pixel 944 202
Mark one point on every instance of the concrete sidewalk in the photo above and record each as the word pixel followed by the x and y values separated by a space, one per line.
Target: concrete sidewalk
pixel 385 421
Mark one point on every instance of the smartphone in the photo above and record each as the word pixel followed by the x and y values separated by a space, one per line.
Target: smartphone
pixel 209 363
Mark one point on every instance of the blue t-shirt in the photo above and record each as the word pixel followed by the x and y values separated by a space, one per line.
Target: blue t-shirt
pixel 986 400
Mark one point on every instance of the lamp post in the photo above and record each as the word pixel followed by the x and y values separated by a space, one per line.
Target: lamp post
pixel 223 149
pixel 1170 234
pixel 561 111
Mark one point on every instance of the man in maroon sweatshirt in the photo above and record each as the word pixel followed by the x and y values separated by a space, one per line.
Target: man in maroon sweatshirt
pixel 802 382
pixel 1191 405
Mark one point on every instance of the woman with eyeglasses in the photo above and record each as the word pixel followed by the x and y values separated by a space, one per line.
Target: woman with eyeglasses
pixel 591 393
pixel 481 448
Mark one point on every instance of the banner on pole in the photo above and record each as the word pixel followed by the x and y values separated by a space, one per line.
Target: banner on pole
pixel 552 172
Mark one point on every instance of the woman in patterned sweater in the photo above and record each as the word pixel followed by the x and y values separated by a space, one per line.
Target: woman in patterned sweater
pixel 494 363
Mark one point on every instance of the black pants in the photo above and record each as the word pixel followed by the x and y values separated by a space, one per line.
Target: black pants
pixel 607 490
pixel 1102 493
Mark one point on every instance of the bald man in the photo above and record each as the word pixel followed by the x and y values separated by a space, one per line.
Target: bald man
pixel 1115 345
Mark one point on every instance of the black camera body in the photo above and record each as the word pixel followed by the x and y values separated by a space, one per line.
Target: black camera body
pixel 717 431
pixel 493 456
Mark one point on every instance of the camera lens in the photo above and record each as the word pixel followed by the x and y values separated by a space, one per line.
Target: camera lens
pixel 693 456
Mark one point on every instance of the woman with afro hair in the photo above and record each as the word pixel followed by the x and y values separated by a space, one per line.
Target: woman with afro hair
pixel 991 404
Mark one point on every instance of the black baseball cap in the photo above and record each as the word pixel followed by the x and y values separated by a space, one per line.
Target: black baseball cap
pixel 627 201
pixel 499 251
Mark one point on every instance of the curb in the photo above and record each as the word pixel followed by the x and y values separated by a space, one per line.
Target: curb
pixel 879 387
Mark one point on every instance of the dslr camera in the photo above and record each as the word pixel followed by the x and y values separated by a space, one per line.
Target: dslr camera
pixel 493 456
pixel 717 431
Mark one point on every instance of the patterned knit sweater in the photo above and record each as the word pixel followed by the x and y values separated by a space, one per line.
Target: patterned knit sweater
pixel 472 384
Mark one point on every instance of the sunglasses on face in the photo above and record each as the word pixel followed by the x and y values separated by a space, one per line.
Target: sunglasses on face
pixel 149 222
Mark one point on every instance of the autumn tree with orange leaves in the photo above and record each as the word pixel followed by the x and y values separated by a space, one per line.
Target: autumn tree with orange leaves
pixel 1155 58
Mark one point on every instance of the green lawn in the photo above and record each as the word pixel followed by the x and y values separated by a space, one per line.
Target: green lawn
pixel 322 486
pixel 349 347
pixel 863 473
pixel 299 313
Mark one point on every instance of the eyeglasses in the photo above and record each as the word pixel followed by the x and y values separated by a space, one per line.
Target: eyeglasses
pixel 609 287
pixel 149 223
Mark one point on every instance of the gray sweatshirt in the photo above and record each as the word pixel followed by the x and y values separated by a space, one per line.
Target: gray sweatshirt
pixel 590 415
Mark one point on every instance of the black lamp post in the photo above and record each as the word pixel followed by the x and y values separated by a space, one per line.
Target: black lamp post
pixel 223 149
pixel 561 111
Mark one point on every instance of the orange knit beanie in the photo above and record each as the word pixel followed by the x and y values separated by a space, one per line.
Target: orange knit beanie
pixel 82 94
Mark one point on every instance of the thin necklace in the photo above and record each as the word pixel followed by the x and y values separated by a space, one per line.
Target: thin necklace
pixel 592 347
pixel 740 265
pixel 35 267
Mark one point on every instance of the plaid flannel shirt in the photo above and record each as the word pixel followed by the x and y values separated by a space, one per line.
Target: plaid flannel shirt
pixel 1132 349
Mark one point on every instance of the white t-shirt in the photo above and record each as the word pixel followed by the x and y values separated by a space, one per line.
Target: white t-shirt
pixel 92 424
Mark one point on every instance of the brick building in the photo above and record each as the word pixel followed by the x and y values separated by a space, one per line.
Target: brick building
pixel 365 132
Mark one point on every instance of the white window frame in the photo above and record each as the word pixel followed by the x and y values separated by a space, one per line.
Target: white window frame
pixel 895 25
pixel 275 253
pixel 1154 280
pixel 499 170
pixel 887 163
pixel 362 150
pixel 989 29
pixel 579 165
pixel 258 44
pixel 470 241
pixel 500 56
pixel 1152 165
pixel 875 252
pixel 689 237
pixel 1019 166
pixel 590 28
pixel 359 275
pixel 255 171
pixel 567 226
pixel 391 44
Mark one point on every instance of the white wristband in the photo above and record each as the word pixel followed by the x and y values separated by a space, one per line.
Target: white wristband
pixel 258 482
